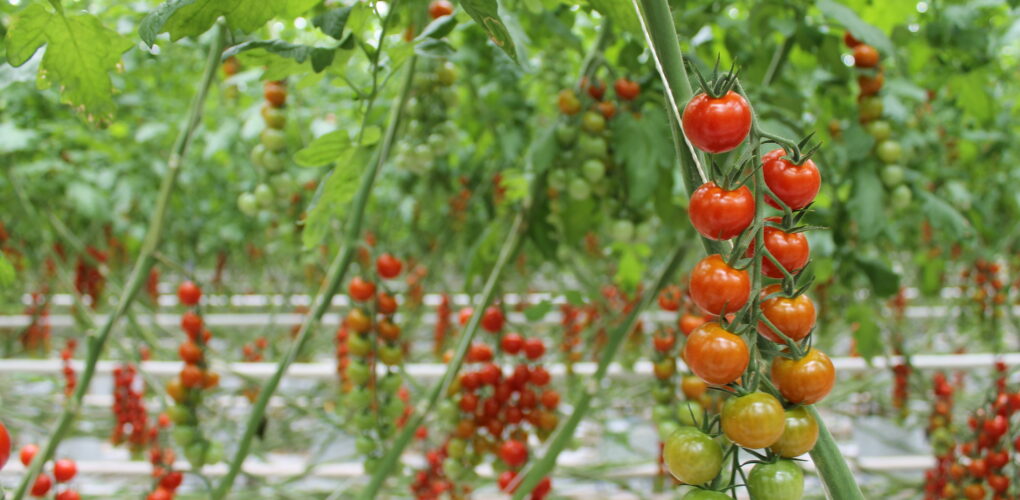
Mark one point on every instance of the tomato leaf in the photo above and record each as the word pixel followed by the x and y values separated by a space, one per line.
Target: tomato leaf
pixel 486 14
pixel 884 281
pixel 643 147
pixel 867 204
pixel 631 266
pixel 439 28
pixel 538 311
pixel 190 18
pixel 866 334
pixel 320 57
pixel 6 270
pixel 944 216
pixel 333 197
pixel 80 53
pixel 861 30
pixel 324 149
pixel 332 22
pixel 436 49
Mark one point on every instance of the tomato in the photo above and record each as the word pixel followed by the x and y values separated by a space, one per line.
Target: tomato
pixel 782 480
pixel 901 197
pixel 664 368
pixel 849 40
pixel 579 189
pixel 388 266
pixel 479 353
pixel 440 8
pixel 794 317
pixel 879 129
pixel 160 494
pixel 446 74
pixel 974 492
pixel 664 342
pixel 42 485
pixel 512 343
pixel 189 293
pixel 67 495
pixel 716 355
pixel 607 108
pixel 596 89
pixel 274 117
pixel 565 135
pixel 688 322
pixel 870 108
pixel 593 123
pixel 865 56
pixel 358 321
pixel 795 185
pixel 191 376
pixel 534 348
pixel 705 495
pixel 591 146
pixel 568 102
pixel 388 330
pixel 361 290
pixel 715 286
pixel 790 249
pixel 391 356
pixel 692 456
pixel 464 315
pixel 717 125
pixel 892 175
pixel 513 452
pixel 804 381
pixel 889 151
pixel 247 204
pixel 693 387
pixel 492 319
pixel 669 298
pixel 275 94
pixel 978 468
pixel 190 352
pixel 628 90
pixel 5 445
pixel 998 483
pixel 622 230
pixel 385 303
pixel 754 420
pixel 690 413
pixel 799 434
pixel 64 470
pixel 593 169
pixel 871 85
pixel 550 399
pixel 505 479
pixel 175 390
pixel 719 214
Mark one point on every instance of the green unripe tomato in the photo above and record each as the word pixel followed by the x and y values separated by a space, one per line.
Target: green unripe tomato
pixel 870 108
pixel 901 197
pixel 579 189
pixel 880 130
pixel 184 435
pixel 642 232
pixel 455 448
pixel 214 454
pixel 394 409
pixel 274 161
pixel 359 398
pixel 690 413
pixel 273 140
pixel 566 135
pixel 391 355
pixel 358 345
pixel 264 195
pixel 282 183
pixel 390 383
pixel 667 428
pixel 196 453
pixel 364 421
pixel 661 413
pixel 247 204
pixel 364 445
pixel 274 117
pixel 590 146
pixel 782 480
pixel 593 170
pixel 622 230
pixel 257 156
pixel 890 151
pixel 452 468
pixel 593 122
pixel 357 372
pixel 558 180
pixel 706 495
pixel 892 175
pixel 371 465
pixel 180 415
pixel 662 395
pixel 942 441
pixel 692 456
pixel 448 411
pixel 446 74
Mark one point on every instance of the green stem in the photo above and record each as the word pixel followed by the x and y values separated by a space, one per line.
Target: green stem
pixel 839 481
pixel 139 273
pixel 779 58
pixel 335 275
pixel 389 461
pixel 544 466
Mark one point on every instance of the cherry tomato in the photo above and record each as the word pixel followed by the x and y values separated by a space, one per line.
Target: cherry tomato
pixel 795 185
pixel 849 40
pixel 717 125
pixel 464 315
pixel 274 117
pixel 492 320
pixel 191 376
pixel 974 492
pixel 190 352
pixel 690 413
pixel 754 420
pixel 889 151
pixel 593 123
pixel 693 387
pixel 782 480
pixel 669 298
pixel 596 89
pixel 189 293
pixel 716 355
pixel 42 485
pixel 5 445
pixel 790 249
pixel 871 85
pixel 27 453
pixel 870 108
pixel 628 90
pixel 799 434
pixel 664 341
pixel 607 108
pixel 388 266
pixel 479 353
pixel 865 56
pixel 64 470
pixel 568 102
pixel 715 286
pixel 705 495
pixel 68 495
pixel 440 8
pixel 172 480
pixel 275 94
pixel 361 290
pixel 191 323
pixel 719 214
pixel 692 456
pixel 794 317
pixel 688 322
pixel 513 452
pixel 385 303
pixel 160 494
pixel 534 348
pixel 512 343
pixel 804 381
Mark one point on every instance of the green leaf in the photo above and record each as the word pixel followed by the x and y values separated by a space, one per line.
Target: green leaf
pixel 324 149
pixel 515 184
pixel 80 53
pixel 538 311
pixel 884 281
pixel 867 334
pixel 438 28
pixel 6 271
pixel 320 57
pixel 866 205
pixel 944 216
pixel 436 49
pixel 371 135
pixel 972 96
pixel 486 14
pixel 858 27
pixel 574 297
pixel 858 142
pixel 622 13
pixel 336 193
pixel 190 18
pixel 631 267
pixel 643 147
pixel 332 22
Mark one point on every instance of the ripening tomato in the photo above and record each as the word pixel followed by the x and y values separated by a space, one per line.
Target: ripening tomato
pixel 804 381
pixel 849 40
pixel 191 376
pixel 190 352
pixel 388 266
pixel 688 322
pixel 782 480
pixel 974 491
pixel 790 249
pixel 865 56
pixel 440 8
pixel 998 483
pixel 692 456
pixel 871 85
pixel 715 286
pixel 799 434
pixel 717 125
pixel 795 185
pixel 191 323
pixel 29 451
pixel 275 94
pixel 160 494
pixel 513 452
pixel 794 317
pixel 568 102
pixel 512 343
pixel 628 90
pixel 607 108
pixel 693 387
pixel 492 320
pixel 754 420
pixel 669 298
pixel 189 293
pixel 664 341
pixel 358 321
pixel 5 445
pixel 870 108
pixel 464 315
pixel 42 485
pixel 595 88
pixel 716 355
pixel 479 353
pixel 64 470
pixel 360 289
pixel 274 117
pixel 719 214
pixel 385 303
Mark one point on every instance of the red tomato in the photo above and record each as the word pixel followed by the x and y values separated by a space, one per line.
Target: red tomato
pixel 607 108
pixel 719 214
pixel 388 266
pixel 160 494
pixel 550 399
pixel 664 342
pixel 440 8
pixel 717 125
pixel 492 320
pixel 512 343
pixel 172 480
pixel 716 286
pixel 385 303
pixel 794 317
pixel 795 185
pixel 5 445
pixel 68 495
pixel 716 355
pixel 790 249
pixel 595 89
pixel 190 352
pixel 360 289
pixel 804 381
pixel 534 348
pixel 479 353
pixel 505 479
pixel 64 470
pixel 189 293
pixel 27 453
pixel 42 485
pixel 669 298
pixel 275 94
pixel 871 85
pixel 688 322
pixel 513 452
pixel 464 315
pixel 191 323
pixel 849 40
pixel 865 56
pixel 628 90
pixel 191 376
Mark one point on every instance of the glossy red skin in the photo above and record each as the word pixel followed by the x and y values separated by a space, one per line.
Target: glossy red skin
pixel 865 56
pixel 361 290
pixel 42 485
pixel 512 343
pixel 716 355
pixel 795 185
pixel 64 470
pixel 388 266
pixel 5 445
pixel 27 453
pixel 719 214
pixel 794 317
pixel 68 495
pixel 804 381
pixel 790 249
pixel 627 90
pixel 717 125
pixel 688 322
pixel 189 293
pixel 714 285
pixel 513 452
pixel 492 319
pixel 534 348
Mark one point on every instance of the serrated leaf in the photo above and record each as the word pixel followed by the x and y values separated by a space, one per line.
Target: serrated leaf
pixel 332 22
pixel 191 18
pixel 884 281
pixel 7 274
pixel 867 334
pixel 320 57
pixel 866 205
pixel 337 191
pixel 324 149
pixel 438 28
pixel 944 216
pixel 486 14
pixel 538 311
pixel 80 53
pixel 861 30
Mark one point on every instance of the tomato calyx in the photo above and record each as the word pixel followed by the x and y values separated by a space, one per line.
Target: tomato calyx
pixel 718 85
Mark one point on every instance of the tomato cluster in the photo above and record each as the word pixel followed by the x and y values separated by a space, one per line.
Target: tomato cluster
pixel 89 280
pixel 161 456
pixel 270 155
pixel 985 286
pixel 129 411
pixel 36 336
pixel 64 470
pixel 429 131
pixel 70 378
